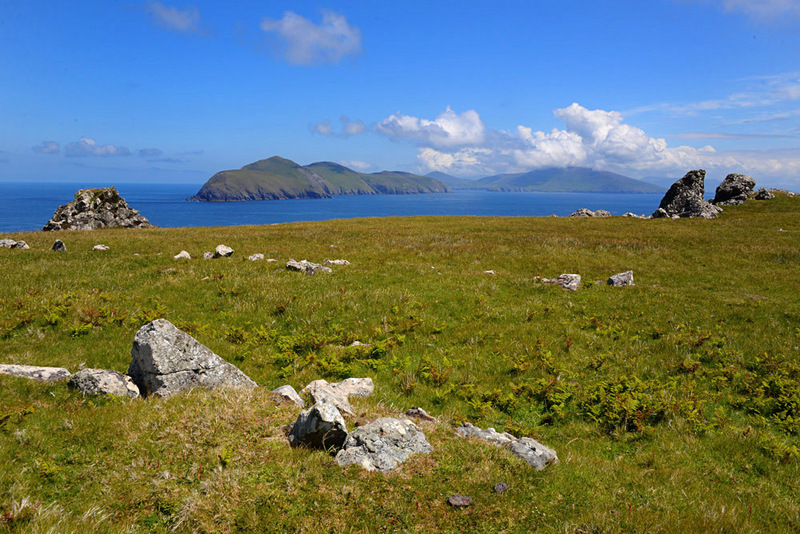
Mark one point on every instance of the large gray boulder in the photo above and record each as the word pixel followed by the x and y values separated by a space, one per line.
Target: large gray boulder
pixel 686 198
pixel 383 444
pixel 537 455
pixel 166 360
pixel 734 190
pixel 40 374
pixel 103 382
pixel 319 427
pixel 96 208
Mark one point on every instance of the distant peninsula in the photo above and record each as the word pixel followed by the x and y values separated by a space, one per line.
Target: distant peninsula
pixel 277 178
pixel 554 180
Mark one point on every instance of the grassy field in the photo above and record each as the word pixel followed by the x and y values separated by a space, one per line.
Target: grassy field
pixel 674 405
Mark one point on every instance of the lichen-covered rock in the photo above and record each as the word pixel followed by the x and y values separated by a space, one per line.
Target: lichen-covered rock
pixel 764 194
pixel 256 257
pixel 734 190
pixel 59 246
pixel 166 360
pixel 685 198
pixel 305 266
pixel 103 382
pixel 621 279
pixel 534 453
pixel 182 255
pixel 337 262
pixel 567 281
pixel 10 243
pixel 584 212
pixel 339 393
pixel 96 208
pixel 319 427
pixel 101 248
pixel 288 393
pixel 223 251
pixel 383 444
pixel 40 374
pixel 208 255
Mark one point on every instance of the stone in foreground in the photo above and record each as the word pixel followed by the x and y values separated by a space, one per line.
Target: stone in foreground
pixel 319 427
pixel 685 198
pixel 59 246
pixel 103 382
pixel 96 208
pixel 10 243
pixel 383 444
pixel 166 360
pixel 734 190
pixel 288 393
pixel 101 248
pixel 305 266
pixel 182 255
pixel 223 251
pixel 621 279
pixel 459 501
pixel 567 281
pixel 537 455
pixel 40 374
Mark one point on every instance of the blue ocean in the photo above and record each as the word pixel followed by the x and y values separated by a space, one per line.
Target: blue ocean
pixel 28 206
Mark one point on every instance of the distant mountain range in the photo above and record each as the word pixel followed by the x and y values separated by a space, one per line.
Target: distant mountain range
pixel 278 178
pixel 568 179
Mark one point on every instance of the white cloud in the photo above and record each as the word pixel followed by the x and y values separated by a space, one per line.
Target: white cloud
pixel 172 18
pixel 448 130
pixel 89 147
pixel 348 127
pixel 306 43
pixel 357 165
pixel 47 147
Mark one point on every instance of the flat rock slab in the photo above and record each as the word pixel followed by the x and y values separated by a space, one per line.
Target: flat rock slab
pixel 337 262
pixel 621 279
pixel 383 444
pixel 103 382
pixel 40 374
pixel 288 393
pixel 319 427
pixel 305 266
pixel 537 455
pixel 567 281
pixel 166 360
pixel 459 501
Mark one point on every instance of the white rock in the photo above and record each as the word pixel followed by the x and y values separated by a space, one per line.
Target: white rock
pixel 40 374
pixel 100 247
pixel 256 257
pixel 182 255
pixel 223 251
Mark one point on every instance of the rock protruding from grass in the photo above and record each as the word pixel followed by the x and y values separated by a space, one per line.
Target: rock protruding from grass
pixel 288 393
pixel 537 455
pixel 100 248
pixel 339 393
pixel 764 194
pixel 103 382
pixel 223 251
pixel 10 243
pixel 305 266
pixel 166 360
pixel 686 199
pixel 319 427
pixel 585 212
pixel 96 208
pixel 621 279
pixel 567 281
pixel 40 374
pixel 734 190
pixel 59 246
pixel 182 255
pixel 383 444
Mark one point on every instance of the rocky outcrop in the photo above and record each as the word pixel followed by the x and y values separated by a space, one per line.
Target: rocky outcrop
pixel 583 212
pixel 734 190
pixel 287 393
pixel 103 382
pixel 166 360
pixel 764 194
pixel 40 374
pixel 567 281
pixel 621 279
pixel 383 444
pixel 305 266
pixel 537 455
pixel 10 243
pixel 96 208
pixel 686 198
pixel 319 427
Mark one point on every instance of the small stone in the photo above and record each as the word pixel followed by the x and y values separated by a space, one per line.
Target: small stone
pixel 621 279
pixel 488 272
pixel 271 260
pixel 534 453
pixel 337 262
pixel 59 246
pixel 359 344
pixel 567 281
pixel 420 414
pixel 182 255
pixel 40 374
pixel 208 255
pixel 100 247
pixel 305 266
pixel 103 382
pixel 459 501
pixel 500 488
pixel 288 393
pixel 583 212
pixel 223 251
pixel 256 257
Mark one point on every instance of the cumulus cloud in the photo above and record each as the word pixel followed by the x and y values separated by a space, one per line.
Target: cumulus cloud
pixel 357 165
pixel 173 18
pixel 89 147
pixel 304 43
pixel 47 147
pixel 448 130
pixel 348 127
pixel 149 152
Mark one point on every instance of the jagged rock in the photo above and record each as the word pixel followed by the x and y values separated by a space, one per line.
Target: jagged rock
pixel 96 208
pixel 10 243
pixel 339 393
pixel 288 393
pixel 685 198
pixel 256 257
pixel 208 255
pixel 734 190
pixel 567 281
pixel 621 279
pixel 305 266
pixel 537 455
pixel 459 501
pixel 500 488
pixel 661 213
pixel 103 382
pixel 223 251
pixel 337 262
pixel 420 414
pixel 383 444
pixel 764 194
pixel 40 374
pixel 583 212
pixel 59 246
pixel 166 360
pixel 182 255
pixel 319 427
pixel 101 248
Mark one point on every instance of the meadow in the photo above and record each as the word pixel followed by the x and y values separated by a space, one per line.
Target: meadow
pixel 673 405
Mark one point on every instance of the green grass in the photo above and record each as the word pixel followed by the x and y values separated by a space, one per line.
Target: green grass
pixel 674 405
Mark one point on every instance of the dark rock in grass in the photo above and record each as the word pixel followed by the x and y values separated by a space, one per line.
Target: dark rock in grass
pixel 621 279
pixel 764 194
pixel 537 455
pixel 40 374
pixel 103 382
pixel 583 212
pixel 500 488
pixel 166 360
pixel 288 393
pixel 96 208
pixel 459 501
pixel 685 198
pixel 383 444
pixel 305 266
pixel 223 251
pixel 59 246
pixel 567 281
pixel 734 190
pixel 319 427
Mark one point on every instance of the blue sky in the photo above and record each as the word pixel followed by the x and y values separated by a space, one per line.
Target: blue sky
pixel 176 91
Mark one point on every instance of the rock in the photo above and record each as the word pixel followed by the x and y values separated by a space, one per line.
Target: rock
pixel 103 382
pixel 420 413
pixel 271 260
pixel 337 262
pixel 359 344
pixel 661 213
pixel 166 360
pixel 182 255
pixel 59 246
pixel 489 272
pixel 621 279
pixel 96 208
pixel 383 444
pixel 101 248
pixel 10 243
pixel 685 198
pixel 734 190
pixel 288 393
pixel 537 455
pixel 583 212
pixel 256 257
pixel 567 281
pixel 634 216
pixel 223 251
pixel 40 374
pixel 307 267
pixel 459 501
pixel 339 393
pixel 208 255
pixel 21 245
pixel 319 427
pixel 764 194
pixel 500 488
